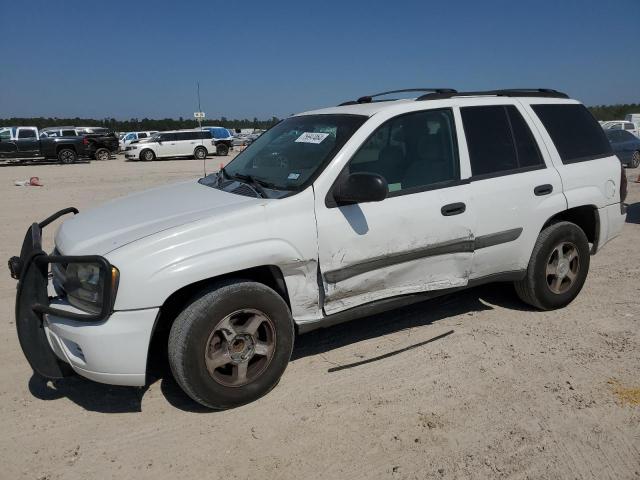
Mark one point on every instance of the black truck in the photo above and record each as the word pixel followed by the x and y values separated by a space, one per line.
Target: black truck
pixel 27 143
pixel 102 142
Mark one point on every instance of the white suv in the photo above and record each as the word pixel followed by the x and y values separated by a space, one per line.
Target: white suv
pixel 179 143
pixel 330 215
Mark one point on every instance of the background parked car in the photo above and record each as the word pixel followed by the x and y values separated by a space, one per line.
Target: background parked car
pixel 626 146
pixel 633 118
pixel 178 143
pixel 223 139
pixel 102 142
pixel 129 137
pixel 26 142
pixel 622 125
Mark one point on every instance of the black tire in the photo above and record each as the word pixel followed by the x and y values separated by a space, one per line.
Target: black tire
pixel 635 160
pixel 102 154
pixel 147 155
pixel 196 325
pixel 536 288
pixel 222 150
pixel 200 153
pixel 67 156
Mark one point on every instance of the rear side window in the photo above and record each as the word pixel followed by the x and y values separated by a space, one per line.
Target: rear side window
pixel 575 133
pixel 26 134
pixel 69 133
pixel 499 140
pixel 142 135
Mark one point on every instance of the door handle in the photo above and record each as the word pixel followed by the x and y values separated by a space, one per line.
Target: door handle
pixel 545 189
pixel 453 209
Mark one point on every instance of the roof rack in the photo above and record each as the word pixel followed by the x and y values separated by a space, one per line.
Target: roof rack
pixel 370 98
pixel 508 92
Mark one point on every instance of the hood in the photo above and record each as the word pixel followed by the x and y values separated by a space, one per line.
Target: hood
pixel 125 220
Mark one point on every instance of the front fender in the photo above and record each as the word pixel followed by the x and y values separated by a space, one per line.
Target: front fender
pixel 278 233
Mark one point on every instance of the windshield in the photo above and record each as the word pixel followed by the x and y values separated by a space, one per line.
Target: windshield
pixel 289 155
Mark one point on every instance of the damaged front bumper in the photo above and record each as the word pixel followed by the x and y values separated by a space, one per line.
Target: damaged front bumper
pixel 34 305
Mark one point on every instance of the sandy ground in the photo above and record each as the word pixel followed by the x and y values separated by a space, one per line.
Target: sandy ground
pixel 511 393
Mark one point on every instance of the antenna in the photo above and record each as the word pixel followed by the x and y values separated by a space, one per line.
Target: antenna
pixel 204 160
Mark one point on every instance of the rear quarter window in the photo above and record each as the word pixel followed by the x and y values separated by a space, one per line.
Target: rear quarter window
pixel 575 133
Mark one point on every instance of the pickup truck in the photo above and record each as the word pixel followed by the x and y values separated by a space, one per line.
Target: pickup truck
pixel 102 142
pixel 26 142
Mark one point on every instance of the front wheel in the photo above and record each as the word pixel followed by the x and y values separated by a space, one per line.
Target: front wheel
pixel 67 156
pixel 231 344
pixel 557 269
pixel 147 155
pixel 635 159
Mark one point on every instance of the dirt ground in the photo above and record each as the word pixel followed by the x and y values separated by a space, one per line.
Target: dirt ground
pixel 511 393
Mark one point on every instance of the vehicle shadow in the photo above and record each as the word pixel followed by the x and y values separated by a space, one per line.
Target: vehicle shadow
pixel 92 396
pixel 633 213
pixel 32 163
pixel 97 397
pixel 417 315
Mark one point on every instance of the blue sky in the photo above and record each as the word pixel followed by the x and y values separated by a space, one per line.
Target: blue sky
pixel 143 58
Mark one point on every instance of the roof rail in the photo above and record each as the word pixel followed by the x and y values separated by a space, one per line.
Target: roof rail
pixel 508 92
pixel 370 98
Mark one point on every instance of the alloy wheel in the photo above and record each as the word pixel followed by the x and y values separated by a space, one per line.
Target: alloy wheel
pixel 240 347
pixel 563 266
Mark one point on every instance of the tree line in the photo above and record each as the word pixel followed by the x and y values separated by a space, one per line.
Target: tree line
pixel 601 112
pixel 614 112
pixel 135 124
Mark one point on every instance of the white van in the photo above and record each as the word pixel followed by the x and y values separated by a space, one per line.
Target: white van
pixel 633 118
pixel 179 143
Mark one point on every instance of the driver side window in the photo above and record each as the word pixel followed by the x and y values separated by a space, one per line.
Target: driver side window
pixel 413 152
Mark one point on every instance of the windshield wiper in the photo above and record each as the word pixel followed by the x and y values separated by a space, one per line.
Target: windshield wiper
pixel 255 183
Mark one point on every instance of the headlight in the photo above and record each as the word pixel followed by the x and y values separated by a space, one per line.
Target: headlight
pixel 87 284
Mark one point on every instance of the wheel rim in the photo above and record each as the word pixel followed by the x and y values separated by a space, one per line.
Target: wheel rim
pixel 67 156
pixel 636 159
pixel 240 347
pixel 103 155
pixel 148 155
pixel 200 154
pixel 563 266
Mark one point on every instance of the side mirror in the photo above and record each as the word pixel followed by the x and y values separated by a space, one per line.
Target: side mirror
pixel 360 187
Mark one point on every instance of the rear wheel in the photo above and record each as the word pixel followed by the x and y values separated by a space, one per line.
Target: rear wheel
pixel 231 344
pixel 147 155
pixel 200 153
pixel 67 156
pixel 635 159
pixel 557 269
pixel 222 150
pixel 102 154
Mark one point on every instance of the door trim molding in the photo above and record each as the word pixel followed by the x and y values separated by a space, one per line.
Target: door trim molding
pixel 460 245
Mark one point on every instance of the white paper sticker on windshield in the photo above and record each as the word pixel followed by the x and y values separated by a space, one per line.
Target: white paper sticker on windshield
pixel 311 137
pixel 293 176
